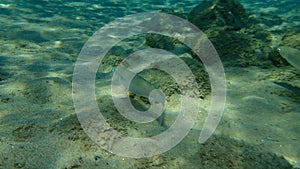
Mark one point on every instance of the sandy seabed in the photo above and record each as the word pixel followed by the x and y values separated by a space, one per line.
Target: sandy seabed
pixel 40 43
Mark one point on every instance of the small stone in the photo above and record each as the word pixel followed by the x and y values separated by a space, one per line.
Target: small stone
pixel 97 157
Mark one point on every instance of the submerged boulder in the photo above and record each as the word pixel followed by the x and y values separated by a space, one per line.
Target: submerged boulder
pixel 238 40
pixel 215 13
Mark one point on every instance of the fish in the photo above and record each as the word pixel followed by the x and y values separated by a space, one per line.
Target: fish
pixel 292 55
pixel 141 87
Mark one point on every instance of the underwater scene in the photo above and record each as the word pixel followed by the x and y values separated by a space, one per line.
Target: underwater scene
pixel 161 84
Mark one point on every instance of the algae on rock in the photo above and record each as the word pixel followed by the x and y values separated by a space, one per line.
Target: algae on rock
pixel 228 13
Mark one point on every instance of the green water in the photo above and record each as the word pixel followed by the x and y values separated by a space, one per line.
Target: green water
pixel 40 44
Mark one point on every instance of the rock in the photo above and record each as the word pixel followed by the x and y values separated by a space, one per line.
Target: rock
pixel 219 13
pixel 291 38
pixel 160 41
pixel 238 40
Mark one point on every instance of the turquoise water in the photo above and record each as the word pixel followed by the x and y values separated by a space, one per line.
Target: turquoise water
pixel 42 40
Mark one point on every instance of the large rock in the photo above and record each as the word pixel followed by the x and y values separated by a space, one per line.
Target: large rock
pixel 238 40
pixel 219 13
